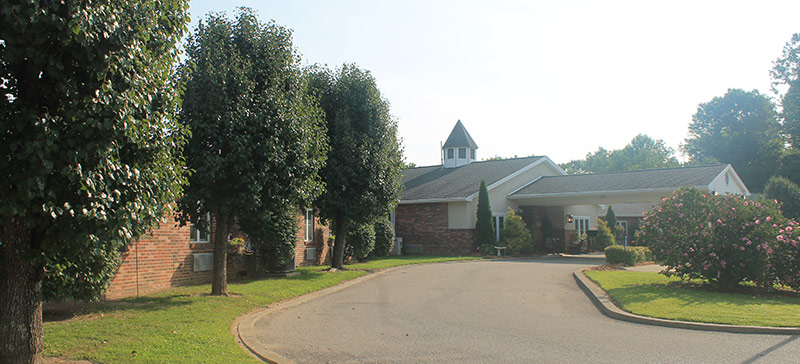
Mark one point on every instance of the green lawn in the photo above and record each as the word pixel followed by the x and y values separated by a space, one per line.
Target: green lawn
pixel 655 295
pixel 185 325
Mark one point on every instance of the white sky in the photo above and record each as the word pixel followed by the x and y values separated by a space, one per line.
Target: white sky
pixel 555 78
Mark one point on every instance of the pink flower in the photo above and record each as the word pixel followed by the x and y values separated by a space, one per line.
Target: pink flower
pixel 769 218
pixel 788 228
pixel 723 263
pixel 741 248
pixel 758 221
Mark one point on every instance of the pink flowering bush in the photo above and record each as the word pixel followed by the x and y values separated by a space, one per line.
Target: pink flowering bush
pixel 785 259
pixel 723 239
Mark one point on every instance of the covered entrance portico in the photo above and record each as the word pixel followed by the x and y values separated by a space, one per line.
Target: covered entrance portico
pixel 556 220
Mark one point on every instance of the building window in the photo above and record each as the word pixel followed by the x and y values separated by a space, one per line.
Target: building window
pixel 624 231
pixel 472 154
pixel 309 225
pixel 462 153
pixel 499 221
pixel 727 178
pixel 200 235
pixel 450 153
pixel 581 224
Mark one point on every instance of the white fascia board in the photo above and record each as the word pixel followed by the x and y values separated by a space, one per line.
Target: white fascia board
pixel 588 193
pixel 510 176
pixel 432 200
pixel 555 166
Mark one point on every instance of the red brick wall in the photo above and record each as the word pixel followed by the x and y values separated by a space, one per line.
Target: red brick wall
pixel 426 224
pixel 163 258
pixel 319 242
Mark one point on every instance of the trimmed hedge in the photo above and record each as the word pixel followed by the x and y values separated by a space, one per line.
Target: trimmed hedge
pixel 633 255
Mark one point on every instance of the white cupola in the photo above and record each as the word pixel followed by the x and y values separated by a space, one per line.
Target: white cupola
pixel 459 149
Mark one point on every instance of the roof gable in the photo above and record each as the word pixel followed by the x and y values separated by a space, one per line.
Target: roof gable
pixel 459 137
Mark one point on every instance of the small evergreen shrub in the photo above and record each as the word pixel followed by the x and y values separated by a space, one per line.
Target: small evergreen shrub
pixel 604 237
pixel 360 241
pixel 630 256
pixel 516 236
pixel 483 224
pixel 384 237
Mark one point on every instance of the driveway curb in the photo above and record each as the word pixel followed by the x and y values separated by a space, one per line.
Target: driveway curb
pixel 244 326
pixel 603 302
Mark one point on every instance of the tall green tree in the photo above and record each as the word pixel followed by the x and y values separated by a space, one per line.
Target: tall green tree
pixel 643 152
pixel 787 193
pixel 258 139
pixel 365 161
pixel 483 223
pixel 790 114
pixel 786 69
pixel 739 128
pixel 90 152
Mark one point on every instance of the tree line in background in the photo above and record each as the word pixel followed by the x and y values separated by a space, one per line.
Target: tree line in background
pixel 103 139
pixel 758 135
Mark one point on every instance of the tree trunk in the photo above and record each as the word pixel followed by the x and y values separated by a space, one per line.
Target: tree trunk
pixel 219 281
pixel 340 223
pixel 21 335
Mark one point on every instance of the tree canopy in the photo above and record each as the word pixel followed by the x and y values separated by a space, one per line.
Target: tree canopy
pixel 365 161
pixel 91 152
pixel 643 152
pixel 786 69
pixel 739 128
pixel 258 138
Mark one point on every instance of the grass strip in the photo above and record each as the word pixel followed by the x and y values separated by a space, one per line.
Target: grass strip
pixel 655 295
pixel 185 324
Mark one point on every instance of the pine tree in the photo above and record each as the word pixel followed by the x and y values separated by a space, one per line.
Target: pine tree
pixel 483 225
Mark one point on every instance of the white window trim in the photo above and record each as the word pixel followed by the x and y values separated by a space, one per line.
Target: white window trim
pixel 576 224
pixel 309 225
pixel 207 232
pixel 496 223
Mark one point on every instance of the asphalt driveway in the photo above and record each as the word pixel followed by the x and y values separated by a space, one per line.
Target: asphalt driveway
pixel 493 312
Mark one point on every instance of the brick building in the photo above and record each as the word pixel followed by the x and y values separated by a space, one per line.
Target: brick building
pixel 437 211
pixel 170 256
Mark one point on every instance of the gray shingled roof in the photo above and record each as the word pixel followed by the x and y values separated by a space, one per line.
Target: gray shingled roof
pixel 459 137
pixel 435 182
pixel 623 181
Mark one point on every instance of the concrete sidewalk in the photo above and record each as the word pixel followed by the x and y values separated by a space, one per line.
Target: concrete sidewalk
pixel 652 268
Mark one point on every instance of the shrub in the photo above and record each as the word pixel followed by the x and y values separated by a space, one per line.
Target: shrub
pixel 483 223
pixel 516 235
pixel 611 219
pixel 630 256
pixel 785 257
pixel 787 193
pixel 272 236
pixel 604 237
pixel 384 237
pixel 360 241
pixel 721 239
